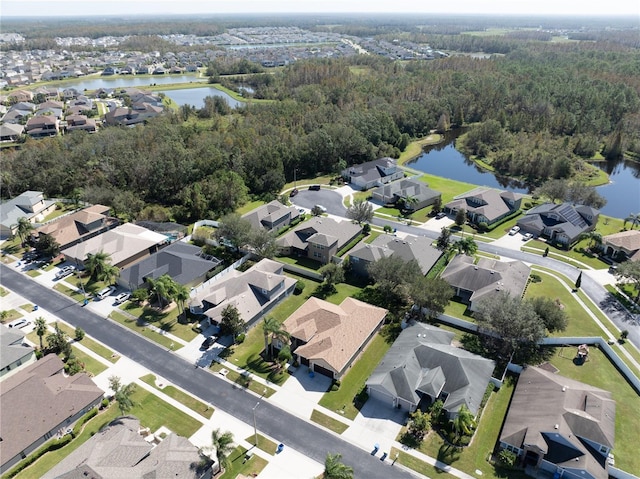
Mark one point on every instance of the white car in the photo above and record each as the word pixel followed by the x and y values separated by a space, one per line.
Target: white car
pixel 321 208
pixel 514 230
pixel 122 297
pixel 18 323
pixel 527 236
pixel 65 271
pixel 103 293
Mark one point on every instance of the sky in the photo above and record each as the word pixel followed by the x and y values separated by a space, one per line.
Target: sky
pixel 51 8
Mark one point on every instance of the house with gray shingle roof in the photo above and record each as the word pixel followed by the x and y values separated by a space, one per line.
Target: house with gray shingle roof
pixel 123 449
pixel 474 281
pixel 38 402
pixel 372 173
pixel 185 263
pixel 485 205
pixel 30 205
pixel 416 248
pixel 271 216
pixel 563 223
pixel 422 366
pixel 16 353
pixel 318 239
pixel 397 192
pixel 10 131
pixel 557 424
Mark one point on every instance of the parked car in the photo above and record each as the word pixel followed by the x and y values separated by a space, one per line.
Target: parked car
pixel 314 187
pixel 293 192
pixel 18 323
pixel 65 271
pixel 514 230
pixel 122 297
pixel 321 208
pixel 441 215
pixel 208 342
pixel 527 236
pixel 103 293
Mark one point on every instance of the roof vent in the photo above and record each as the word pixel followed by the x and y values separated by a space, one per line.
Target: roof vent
pixel 475 266
pixel 564 388
pixel 556 426
pixel 492 271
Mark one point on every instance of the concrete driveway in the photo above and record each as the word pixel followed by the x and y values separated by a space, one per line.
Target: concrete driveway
pixel 377 422
pixel 514 242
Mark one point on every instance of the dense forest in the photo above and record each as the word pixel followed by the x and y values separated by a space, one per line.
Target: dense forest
pixel 534 112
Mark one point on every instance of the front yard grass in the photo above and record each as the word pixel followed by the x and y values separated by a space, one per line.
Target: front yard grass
pixel 599 372
pixel 342 401
pixel 330 423
pixel 237 466
pixel 247 382
pixel 264 444
pixel 72 293
pixel 3 292
pixel 11 315
pixel 475 455
pixel 192 403
pixel 143 330
pixel 166 320
pixel 91 365
pixel 418 465
pixel 33 273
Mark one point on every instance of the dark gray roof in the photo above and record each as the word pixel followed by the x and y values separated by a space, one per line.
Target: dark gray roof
pixel 12 347
pixel 270 213
pixel 406 188
pixel 180 260
pixel 370 170
pixel 423 359
pixel 567 218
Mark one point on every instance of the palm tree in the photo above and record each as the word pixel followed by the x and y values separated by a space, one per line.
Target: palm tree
pixel 464 422
pixel 40 328
pixel 271 326
pixel 122 394
pixel 164 288
pixel 181 295
pixel 23 228
pixel 466 246
pixel 633 218
pixel 110 274
pixel 97 264
pixel 223 444
pixel 335 469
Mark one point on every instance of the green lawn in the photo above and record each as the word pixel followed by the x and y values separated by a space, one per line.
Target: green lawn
pixel 263 443
pixel 167 320
pixel 475 456
pixel 72 293
pixel 417 465
pixel 27 307
pixel 330 423
pixel 91 364
pixel 342 400
pixel 3 292
pixel 301 261
pixel 457 310
pixel 33 273
pixel 66 208
pixel 252 205
pixel 237 466
pixel 599 372
pixel 414 149
pixel 144 331
pixel 11 315
pixel 183 398
pixel 448 188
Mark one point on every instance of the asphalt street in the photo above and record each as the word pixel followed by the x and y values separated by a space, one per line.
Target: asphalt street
pixel 304 436
pixel 333 202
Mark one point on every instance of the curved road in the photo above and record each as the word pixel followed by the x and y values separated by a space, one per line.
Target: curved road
pixel 333 202
pixel 304 436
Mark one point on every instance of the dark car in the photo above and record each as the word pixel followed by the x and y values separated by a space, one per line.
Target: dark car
pixel 315 187
pixel 207 343
pixel 293 192
pixel 441 215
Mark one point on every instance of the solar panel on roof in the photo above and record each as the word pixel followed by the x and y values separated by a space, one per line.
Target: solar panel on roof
pixel 572 216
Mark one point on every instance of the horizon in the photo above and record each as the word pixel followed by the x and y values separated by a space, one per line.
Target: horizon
pixel 39 9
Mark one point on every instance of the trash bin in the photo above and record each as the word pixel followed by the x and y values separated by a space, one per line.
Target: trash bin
pixel 35 307
pixel 279 448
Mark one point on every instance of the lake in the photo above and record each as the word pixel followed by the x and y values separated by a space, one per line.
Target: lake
pixel 622 194
pixel 196 96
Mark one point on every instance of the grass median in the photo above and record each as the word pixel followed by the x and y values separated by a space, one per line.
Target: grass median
pixel 327 421
pixel 187 400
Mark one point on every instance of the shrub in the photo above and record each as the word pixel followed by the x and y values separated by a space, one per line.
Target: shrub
pixel 366 229
pixel 240 338
pixel 104 403
pixel 535 278
pixel 300 285
pixel 79 335
pixel 507 458
pixel 387 229
pixel 483 226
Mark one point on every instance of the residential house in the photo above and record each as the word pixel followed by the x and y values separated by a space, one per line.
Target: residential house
pixel 622 246
pixel 272 216
pixel 563 223
pixel 407 193
pixel 16 116
pixel 16 353
pixel 132 116
pixel 560 425
pixel 125 244
pixel 319 238
pixel 254 292
pixel 10 131
pixel 38 403
pixel 486 205
pixel 423 366
pixel 186 264
pixel 42 126
pixel 81 122
pixel 474 281
pixel 327 337
pixel 30 205
pixel 372 173
pixel 124 449
pixel 71 229
pixel 416 248
pixel 20 95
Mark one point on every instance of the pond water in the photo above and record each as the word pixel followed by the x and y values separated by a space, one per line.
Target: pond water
pixel 127 81
pixel 622 194
pixel 196 96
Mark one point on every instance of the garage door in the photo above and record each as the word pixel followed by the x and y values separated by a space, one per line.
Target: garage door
pixel 323 371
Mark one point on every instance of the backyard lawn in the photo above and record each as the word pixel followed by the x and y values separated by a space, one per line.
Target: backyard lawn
pixel 448 188
pixel 599 372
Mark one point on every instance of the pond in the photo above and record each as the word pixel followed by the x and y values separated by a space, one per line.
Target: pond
pixel 622 194
pixel 127 81
pixel 196 96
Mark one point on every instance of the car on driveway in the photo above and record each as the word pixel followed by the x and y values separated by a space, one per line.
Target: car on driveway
pixel 514 230
pixel 527 236
pixel 321 208
pixel 208 342
pixel 122 297
pixel 18 323
pixel 441 215
pixel 103 293
pixel 314 187
pixel 65 271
